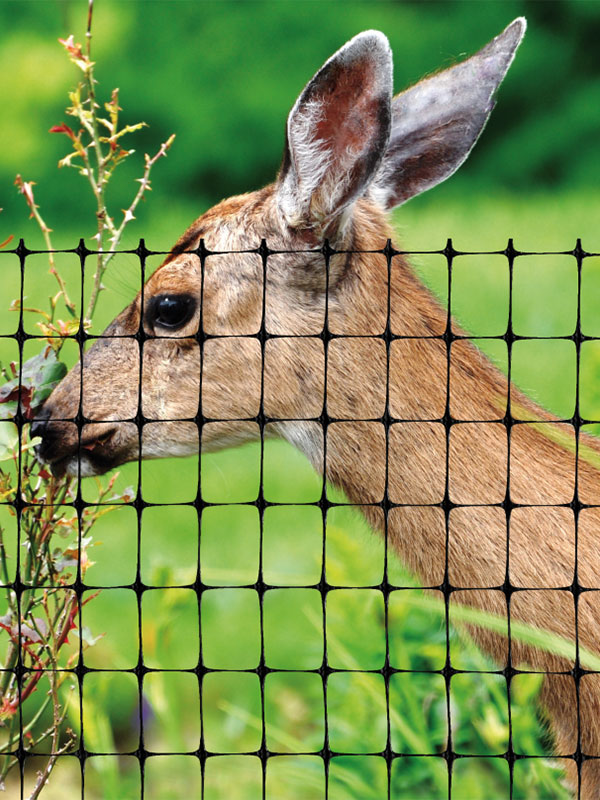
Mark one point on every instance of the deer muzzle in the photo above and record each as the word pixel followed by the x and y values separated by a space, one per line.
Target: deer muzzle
pixel 93 450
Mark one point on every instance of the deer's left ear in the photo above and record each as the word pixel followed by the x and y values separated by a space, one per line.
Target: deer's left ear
pixel 436 122
pixel 337 134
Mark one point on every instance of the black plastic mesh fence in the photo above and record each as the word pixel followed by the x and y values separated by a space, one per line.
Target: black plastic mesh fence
pixel 336 707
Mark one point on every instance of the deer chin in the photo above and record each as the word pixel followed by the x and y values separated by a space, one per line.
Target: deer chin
pixel 97 450
pixel 84 464
pixel 78 466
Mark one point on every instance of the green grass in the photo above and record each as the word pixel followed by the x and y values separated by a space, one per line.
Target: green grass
pixel 226 546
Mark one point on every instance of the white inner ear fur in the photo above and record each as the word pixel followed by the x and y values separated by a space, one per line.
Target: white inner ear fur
pixel 317 186
pixel 311 159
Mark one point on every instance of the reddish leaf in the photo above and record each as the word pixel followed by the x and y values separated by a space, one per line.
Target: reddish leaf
pixel 10 396
pixel 8 708
pixel 63 128
pixel 71 47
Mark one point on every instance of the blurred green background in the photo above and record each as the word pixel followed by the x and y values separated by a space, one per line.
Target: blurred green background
pixel 222 76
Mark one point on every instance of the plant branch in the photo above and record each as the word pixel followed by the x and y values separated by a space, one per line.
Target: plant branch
pixel 128 215
pixel 26 189
pixel 36 640
pixel 45 775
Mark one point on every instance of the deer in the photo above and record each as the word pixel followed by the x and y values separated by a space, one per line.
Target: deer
pixel 224 344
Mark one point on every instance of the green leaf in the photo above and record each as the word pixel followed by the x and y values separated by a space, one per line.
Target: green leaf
pixel 9 441
pixel 8 410
pixel 39 376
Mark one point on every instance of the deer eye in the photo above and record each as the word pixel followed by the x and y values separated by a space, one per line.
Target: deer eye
pixel 171 310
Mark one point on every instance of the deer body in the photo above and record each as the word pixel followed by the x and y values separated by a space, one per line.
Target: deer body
pixel 352 152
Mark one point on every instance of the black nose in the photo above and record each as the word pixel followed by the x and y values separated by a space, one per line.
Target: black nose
pixel 40 425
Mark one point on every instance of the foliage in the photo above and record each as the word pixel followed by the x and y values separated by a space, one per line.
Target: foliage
pixel 55 544
pixel 95 157
pixel 39 621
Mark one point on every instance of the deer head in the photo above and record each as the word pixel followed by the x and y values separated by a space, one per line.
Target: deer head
pixel 187 347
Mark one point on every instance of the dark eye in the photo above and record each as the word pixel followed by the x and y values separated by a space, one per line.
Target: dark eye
pixel 171 310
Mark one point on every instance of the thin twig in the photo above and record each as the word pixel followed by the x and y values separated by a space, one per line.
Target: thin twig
pixel 128 215
pixel 25 187
pixel 45 775
pixel 101 212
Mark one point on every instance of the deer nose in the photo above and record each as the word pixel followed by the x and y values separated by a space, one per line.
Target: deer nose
pixel 40 425
pixel 40 428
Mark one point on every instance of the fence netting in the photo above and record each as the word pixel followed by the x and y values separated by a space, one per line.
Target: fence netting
pixel 252 638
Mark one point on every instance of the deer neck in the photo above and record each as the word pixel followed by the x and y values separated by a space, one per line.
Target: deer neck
pixel 388 444
pixel 369 380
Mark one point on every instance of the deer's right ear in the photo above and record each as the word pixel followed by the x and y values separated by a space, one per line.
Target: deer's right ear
pixel 337 134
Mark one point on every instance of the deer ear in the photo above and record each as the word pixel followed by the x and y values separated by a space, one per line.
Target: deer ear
pixel 436 122
pixel 337 134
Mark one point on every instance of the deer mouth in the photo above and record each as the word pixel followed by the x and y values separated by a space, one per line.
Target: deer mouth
pixel 65 453
pixel 90 458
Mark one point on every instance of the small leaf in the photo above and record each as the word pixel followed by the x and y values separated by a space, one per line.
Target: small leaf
pixel 75 53
pixel 63 128
pixel 7 409
pixel 9 441
pixel 75 97
pixel 9 392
